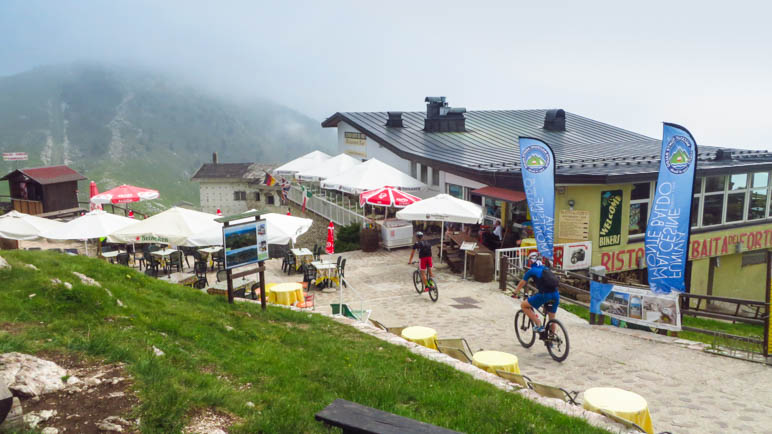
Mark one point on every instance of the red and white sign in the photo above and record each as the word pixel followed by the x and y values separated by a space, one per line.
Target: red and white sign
pixel 569 256
pixel 387 196
pixel 15 156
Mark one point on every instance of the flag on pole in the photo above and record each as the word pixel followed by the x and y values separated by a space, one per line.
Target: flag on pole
pixel 537 166
pixel 667 233
pixel 269 180
pixel 306 195
pixel 330 247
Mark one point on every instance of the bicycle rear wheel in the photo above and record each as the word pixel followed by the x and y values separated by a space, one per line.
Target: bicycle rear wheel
pixel 417 282
pixel 434 293
pixel 557 340
pixel 524 329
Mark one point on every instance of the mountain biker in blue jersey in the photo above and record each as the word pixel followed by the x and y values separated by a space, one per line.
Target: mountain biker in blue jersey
pixel 547 283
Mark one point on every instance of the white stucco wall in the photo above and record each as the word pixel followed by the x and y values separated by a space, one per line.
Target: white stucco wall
pixel 219 194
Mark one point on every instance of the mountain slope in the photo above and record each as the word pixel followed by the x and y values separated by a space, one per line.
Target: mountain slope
pixel 122 126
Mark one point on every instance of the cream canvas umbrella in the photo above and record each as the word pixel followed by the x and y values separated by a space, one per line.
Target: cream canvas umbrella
pixel 24 227
pixel 308 161
pixel 327 168
pixel 177 226
pixel 442 208
pixel 95 224
pixel 280 229
pixel 370 175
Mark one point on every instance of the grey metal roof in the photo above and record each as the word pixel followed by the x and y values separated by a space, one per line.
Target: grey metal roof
pixel 587 152
pixel 245 171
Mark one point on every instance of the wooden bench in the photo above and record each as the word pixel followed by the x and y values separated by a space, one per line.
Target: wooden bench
pixel 356 418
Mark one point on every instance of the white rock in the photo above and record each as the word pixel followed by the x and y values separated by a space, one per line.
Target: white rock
pixel 250 404
pixel 4 263
pixel 229 328
pixel 32 295
pixel 217 431
pixel 30 376
pixel 68 285
pixel 157 351
pixel 109 426
pixel 120 303
pixel 50 430
pixel 86 280
pixel 36 417
pixel 73 380
pixel 116 395
pixel 30 266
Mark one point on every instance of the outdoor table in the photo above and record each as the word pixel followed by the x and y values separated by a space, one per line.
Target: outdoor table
pixel 222 287
pixel 496 360
pixel 286 293
pixel 184 279
pixel 302 256
pixel 164 254
pixel 620 402
pixel 421 335
pixel 209 252
pixel 112 254
pixel 326 271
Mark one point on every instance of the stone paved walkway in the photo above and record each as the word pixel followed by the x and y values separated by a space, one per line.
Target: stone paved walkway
pixel 688 391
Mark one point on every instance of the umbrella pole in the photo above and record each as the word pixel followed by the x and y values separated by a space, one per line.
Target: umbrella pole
pixel 442 240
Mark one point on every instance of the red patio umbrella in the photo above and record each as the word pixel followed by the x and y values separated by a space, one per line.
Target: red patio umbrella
pixel 93 191
pixel 330 247
pixel 125 194
pixel 387 196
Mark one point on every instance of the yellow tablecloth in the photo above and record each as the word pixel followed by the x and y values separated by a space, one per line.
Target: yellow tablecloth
pixel 493 360
pixel 286 293
pixel 627 405
pixel 421 335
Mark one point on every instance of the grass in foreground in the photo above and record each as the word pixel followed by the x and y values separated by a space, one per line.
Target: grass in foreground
pixel 738 329
pixel 289 364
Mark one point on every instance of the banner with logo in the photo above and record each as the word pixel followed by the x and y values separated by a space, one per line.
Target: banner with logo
pixel 537 164
pixel 610 231
pixel 636 305
pixel 667 234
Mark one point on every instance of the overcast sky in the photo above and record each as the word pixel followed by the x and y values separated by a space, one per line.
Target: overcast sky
pixel 630 64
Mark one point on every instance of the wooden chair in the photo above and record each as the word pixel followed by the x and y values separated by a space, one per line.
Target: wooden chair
pixel 520 380
pixel 455 353
pixel 555 392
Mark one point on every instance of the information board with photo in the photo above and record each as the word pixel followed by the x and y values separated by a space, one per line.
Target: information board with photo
pixel 245 244
pixel 636 305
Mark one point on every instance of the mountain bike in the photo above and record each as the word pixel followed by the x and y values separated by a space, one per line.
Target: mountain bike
pixel 554 335
pixel 434 293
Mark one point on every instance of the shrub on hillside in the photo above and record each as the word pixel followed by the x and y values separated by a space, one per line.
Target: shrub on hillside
pixel 348 238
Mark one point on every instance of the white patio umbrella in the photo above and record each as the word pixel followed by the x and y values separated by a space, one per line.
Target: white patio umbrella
pixel 95 224
pixel 19 226
pixel 280 228
pixel 332 167
pixel 312 159
pixel 443 208
pixel 370 175
pixel 178 226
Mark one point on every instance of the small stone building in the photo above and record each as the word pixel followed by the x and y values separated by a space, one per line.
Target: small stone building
pixel 237 187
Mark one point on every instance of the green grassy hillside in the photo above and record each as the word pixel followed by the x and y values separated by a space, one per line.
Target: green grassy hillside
pixel 289 364
pixel 123 126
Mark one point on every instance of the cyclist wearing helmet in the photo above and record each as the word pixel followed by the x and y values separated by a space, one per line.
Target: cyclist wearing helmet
pixel 547 283
pixel 424 255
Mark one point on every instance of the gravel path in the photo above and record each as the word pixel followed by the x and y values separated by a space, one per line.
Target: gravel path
pixel 688 391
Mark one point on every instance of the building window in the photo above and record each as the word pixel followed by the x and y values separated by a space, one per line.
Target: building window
pixel 492 208
pixel 239 195
pixel 639 208
pixel 456 191
pixel 435 176
pixel 257 196
pixel 713 200
pixel 757 204
pixel 269 199
pixel 424 174
pixel 414 169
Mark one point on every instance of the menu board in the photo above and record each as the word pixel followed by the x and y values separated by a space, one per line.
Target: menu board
pixel 574 225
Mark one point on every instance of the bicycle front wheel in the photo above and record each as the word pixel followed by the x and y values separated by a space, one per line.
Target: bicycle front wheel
pixel 524 329
pixel 557 340
pixel 417 282
pixel 434 293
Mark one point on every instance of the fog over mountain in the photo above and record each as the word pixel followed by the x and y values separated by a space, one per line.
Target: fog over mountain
pixel 117 124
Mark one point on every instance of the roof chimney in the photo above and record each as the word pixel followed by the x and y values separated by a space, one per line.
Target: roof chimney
pixel 723 154
pixel 394 120
pixel 214 157
pixel 441 118
pixel 555 120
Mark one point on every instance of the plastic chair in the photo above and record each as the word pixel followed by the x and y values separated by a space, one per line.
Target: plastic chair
pixel 222 275
pixel 122 259
pixel 199 268
pixel 455 353
pixel 396 330
pixel 520 380
pixel 309 275
pixel 218 258
pixel 630 425
pixel 308 302
pixel 291 263
pixel 457 343
pixel 175 260
pixel 379 325
pixel 359 315
pixel 555 392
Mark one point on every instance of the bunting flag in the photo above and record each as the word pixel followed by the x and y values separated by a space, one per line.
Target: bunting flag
pixel 537 165
pixel 269 180
pixel 667 233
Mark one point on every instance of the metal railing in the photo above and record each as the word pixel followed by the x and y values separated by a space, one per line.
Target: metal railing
pixel 518 256
pixel 332 206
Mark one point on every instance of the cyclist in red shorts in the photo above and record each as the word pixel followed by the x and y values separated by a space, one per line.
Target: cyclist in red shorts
pixel 424 255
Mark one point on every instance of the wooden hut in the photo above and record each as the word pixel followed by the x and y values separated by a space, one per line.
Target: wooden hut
pixel 44 190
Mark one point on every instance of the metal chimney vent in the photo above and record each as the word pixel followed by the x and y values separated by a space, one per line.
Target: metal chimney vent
pixel 394 120
pixel 555 120
pixel 441 118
